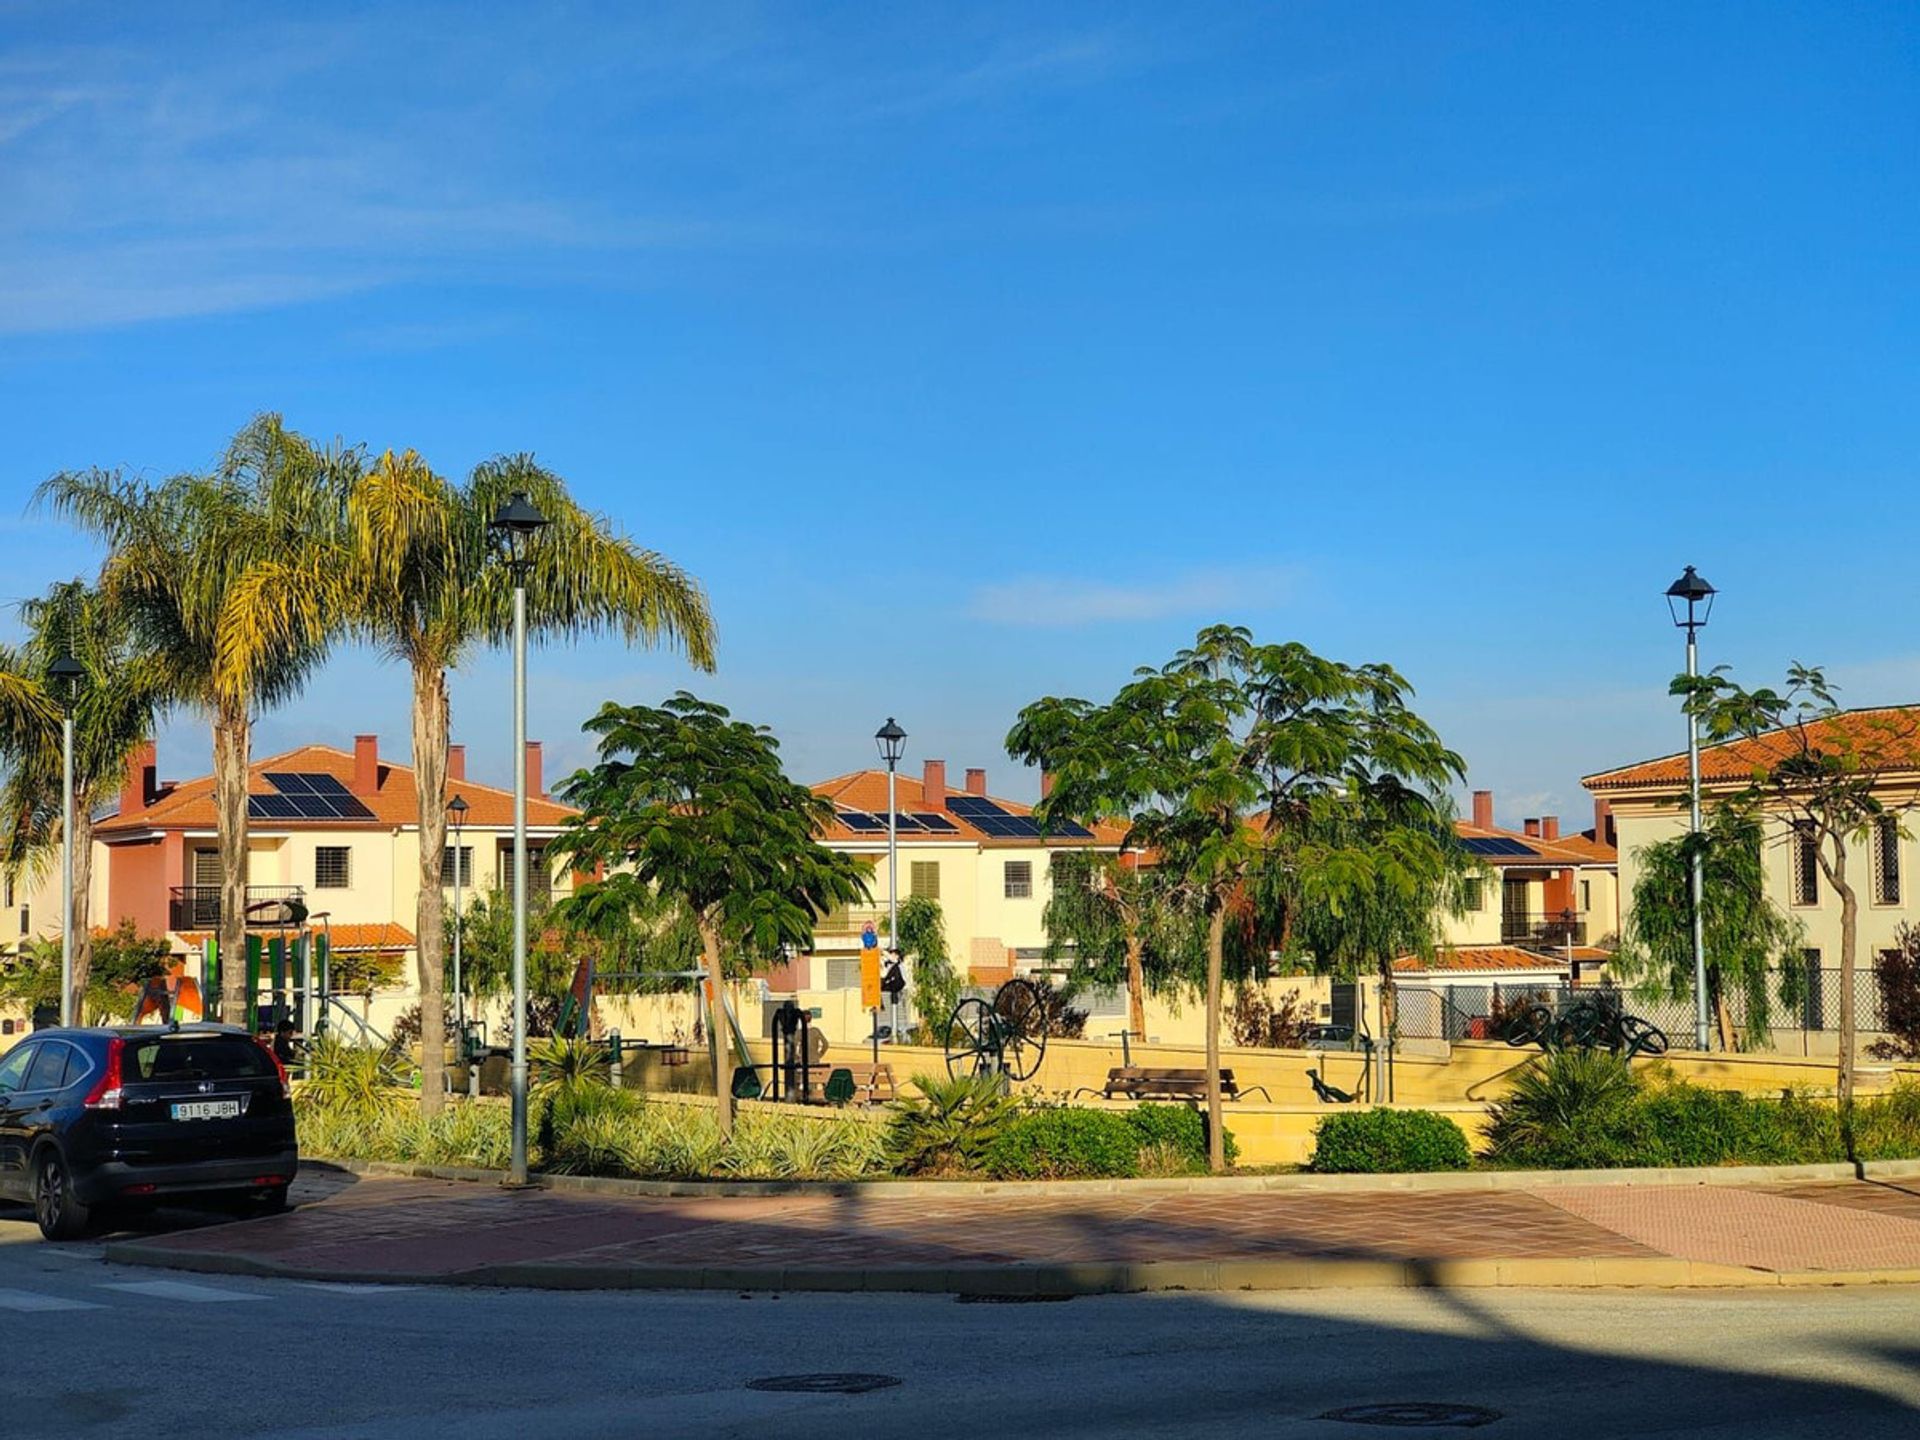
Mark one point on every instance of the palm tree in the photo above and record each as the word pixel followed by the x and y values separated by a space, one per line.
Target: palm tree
pixel 410 573
pixel 179 555
pixel 113 714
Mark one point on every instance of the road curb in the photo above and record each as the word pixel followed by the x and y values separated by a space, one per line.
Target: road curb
pixel 1081 1278
pixel 1305 1184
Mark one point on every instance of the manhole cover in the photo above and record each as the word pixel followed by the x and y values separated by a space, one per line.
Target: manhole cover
pixel 1415 1413
pixel 832 1384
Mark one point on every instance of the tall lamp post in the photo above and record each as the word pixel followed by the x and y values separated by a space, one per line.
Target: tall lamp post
pixel 518 524
pixel 65 677
pixel 1690 602
pixel 457 813
pixel 892 741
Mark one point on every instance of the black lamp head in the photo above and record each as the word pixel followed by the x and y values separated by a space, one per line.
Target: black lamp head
pixel 892 741
pixel 1685 595
pixel 65 676
pixel 517 523
pixel 457 807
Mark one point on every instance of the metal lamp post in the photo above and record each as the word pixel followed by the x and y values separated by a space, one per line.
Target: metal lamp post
pixel 892 741
pixel 518 524
pixel 65 677
pixel 457 813
pixel 1690 602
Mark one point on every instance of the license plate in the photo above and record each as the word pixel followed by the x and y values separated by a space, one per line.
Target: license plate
pixel 207 1110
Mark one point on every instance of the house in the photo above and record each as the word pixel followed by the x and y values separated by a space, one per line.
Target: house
pixel 335 830
pixel 1544 889
pixel 1648 804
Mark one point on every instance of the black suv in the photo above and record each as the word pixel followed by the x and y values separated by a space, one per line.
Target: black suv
pixel 96 1119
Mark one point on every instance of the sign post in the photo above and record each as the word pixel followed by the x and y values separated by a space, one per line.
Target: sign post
pixel 870 981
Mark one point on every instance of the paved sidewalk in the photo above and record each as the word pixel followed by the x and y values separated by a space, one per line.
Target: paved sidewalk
pixel 414 1230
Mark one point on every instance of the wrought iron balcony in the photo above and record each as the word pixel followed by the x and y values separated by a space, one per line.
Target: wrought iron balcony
pixel 197 907
pixel 1554 930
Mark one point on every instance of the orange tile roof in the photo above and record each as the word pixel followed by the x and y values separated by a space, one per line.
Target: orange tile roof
pixel 1891 731
pixel 189 805
pixel 1478 957
pixel 383 936
pixel 1562 850
pixel 867 790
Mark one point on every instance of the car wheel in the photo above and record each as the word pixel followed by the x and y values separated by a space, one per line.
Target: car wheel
pixel 59 1211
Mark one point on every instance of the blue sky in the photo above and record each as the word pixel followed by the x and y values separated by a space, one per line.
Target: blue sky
pixel 975 352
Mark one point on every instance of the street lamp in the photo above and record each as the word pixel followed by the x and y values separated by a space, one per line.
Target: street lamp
pixel 64 678
pixel 892 741
pixel 517 526
pixel 457 813
pixel 1690 602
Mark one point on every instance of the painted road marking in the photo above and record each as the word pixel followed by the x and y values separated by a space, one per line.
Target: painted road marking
pixel 179 1290
pixel 32 1300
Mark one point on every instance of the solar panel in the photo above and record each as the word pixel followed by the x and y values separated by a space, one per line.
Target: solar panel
pixel 270 807
pixel 1497 845
pixel 972 805
pixel 904 821
pixel 860 820
pixel 337 807
pixel 931 821
pixel 288 783
pixel 327 785
pixel 1058 829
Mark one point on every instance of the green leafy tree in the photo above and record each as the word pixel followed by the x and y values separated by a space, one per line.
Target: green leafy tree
pixel 696 807
pixel 407 570
pixel 123 961
pixel 1821 770
pixel 114 711
pixel 1235 759
pixel 923 942
pixel 1103 914
pixel 180 552
pixel 1749 940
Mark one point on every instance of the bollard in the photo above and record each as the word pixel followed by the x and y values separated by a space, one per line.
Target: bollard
pixel 613 1046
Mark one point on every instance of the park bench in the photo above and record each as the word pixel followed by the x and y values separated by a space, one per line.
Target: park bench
pixel 1149 1082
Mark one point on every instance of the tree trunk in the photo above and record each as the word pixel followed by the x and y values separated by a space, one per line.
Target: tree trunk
pixel 1849 944
pixel 1216 963
pixel 716 1023
pixel 82 919
pixel 1723 1018
pixel 232 742
pixel 430 724
pixel 1136 987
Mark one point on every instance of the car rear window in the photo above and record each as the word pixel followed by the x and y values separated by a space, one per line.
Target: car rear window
pixel 196 1057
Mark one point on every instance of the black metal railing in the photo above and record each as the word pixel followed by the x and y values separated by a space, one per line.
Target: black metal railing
pixel 197 907
pixel 1554 928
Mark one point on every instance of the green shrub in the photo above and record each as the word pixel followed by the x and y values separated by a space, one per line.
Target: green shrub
pixel 1173 1139
pixel 1682 1124
pixel 947 1128
pixel 1062 1143
pixel 1575 1109
pixel 1388 1141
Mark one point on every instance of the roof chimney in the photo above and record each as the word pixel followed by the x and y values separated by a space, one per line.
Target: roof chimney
pixel 976 781
pixel 366 765
pixel 456 762
pixel 141 785
pixel 1046 784
pixel 1603 822
pixel 1483 809
pixel 933 780
pixel 533 770
pixel 1531 826
pixel 1549 827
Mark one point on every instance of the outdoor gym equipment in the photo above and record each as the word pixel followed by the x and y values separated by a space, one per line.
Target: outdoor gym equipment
pixel 1007 1037
pixel 1587 1024
pixel 1325 1093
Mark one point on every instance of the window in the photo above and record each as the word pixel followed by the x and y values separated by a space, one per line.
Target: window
pixel 1806 865
pixel 8 904
pixel 1886 861
pixel 539 879
pixel 842 974
pixel 447 876
pixel 923 880
pixel 1813 1003
pixel 49 1070
pixel 13 1069
pixel 1586 895
pixel 1473 894
pixel 332 867
pixel 1018 877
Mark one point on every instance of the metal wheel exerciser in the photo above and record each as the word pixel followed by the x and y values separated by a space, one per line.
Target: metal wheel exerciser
pixel 1007 1036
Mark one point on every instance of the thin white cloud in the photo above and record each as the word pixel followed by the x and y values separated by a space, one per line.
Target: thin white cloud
pixel 1223 590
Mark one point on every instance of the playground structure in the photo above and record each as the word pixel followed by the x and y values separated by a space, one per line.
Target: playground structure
pixel 1004 1038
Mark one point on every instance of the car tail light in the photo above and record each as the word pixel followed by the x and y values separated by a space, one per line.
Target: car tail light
pixel 286 1085
pixel 105 1094
pixel 265 1180
pixel 138 1189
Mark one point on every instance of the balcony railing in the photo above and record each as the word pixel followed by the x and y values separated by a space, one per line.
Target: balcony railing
pixel 1553 930
pixel 197 907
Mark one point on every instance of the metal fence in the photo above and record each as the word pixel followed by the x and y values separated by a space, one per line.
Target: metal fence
pixel 1803 1003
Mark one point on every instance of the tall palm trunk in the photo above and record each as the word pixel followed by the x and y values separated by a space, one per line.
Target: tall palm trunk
pixel 716 1023
pixel 81 919
pixel 1216 964
pixel 430 724
pixel 232 742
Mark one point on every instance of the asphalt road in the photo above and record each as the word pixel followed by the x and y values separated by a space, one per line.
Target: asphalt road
pixel 91 1349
